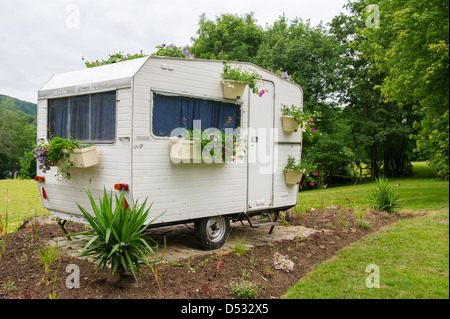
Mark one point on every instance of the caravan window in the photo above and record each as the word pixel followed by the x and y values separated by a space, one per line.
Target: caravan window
pixel 170 112
pixel 90 118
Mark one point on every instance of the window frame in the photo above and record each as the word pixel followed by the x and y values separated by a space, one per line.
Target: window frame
pixel 108 142
pixel 187 95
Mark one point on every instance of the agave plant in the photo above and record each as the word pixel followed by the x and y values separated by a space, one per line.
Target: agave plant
pixel 117 238
pixel 383 197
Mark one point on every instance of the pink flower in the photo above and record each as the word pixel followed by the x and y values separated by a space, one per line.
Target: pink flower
pixel 313 129
pixel 51 163
pixel 311 120
pixel 315 173
pixel 312 183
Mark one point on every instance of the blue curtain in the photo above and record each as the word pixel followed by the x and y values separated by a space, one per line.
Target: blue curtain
pixel 89 118
pixel 58 116
pixel 170 112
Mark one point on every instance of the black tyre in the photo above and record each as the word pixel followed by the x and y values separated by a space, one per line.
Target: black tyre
pixel 212 231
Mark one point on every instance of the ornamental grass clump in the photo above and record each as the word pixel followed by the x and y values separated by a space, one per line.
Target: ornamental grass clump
pixel 117 239
pixel 383 197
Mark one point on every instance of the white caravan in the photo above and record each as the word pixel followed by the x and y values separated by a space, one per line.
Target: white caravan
pixel 129 109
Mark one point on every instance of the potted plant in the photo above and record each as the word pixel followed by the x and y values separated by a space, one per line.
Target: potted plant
pixel 293 172
pixel 234 81
pixel 218 146
pixel 64 153
pixel 292 117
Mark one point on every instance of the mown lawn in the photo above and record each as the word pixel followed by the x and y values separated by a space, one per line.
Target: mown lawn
pixel 412 255
pixel 420 192
pixel 20 199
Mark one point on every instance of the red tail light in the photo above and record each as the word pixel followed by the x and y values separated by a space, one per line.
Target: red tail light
pixel 44 194
pixel 125 203
pixel 121 187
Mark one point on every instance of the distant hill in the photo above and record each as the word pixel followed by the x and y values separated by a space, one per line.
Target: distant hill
pixel 25 107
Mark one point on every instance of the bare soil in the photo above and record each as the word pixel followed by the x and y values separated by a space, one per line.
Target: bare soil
pixel 201 277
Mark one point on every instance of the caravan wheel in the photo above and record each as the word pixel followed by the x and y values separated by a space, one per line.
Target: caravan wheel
pixel 213 231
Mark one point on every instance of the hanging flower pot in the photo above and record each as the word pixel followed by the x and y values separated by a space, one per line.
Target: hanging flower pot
pixel 235 79
pixel 233 90
pixel 292 177
pixel 289 123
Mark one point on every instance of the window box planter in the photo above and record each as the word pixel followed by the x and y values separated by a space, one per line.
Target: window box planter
pixel 182 150
pixel 233 90
pixel 289 123
pixel 82 157
pixel 292 177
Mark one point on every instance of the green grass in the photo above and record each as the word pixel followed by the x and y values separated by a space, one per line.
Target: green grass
pixel 412 256
pixel 21 199
pixel 420 192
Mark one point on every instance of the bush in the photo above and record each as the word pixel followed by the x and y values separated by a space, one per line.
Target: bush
pixel 117 236
pixel 243 289
pixel 383 197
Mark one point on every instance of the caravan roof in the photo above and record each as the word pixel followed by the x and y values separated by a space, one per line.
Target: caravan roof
pixel 110 76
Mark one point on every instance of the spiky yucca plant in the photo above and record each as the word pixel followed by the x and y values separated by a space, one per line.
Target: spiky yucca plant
pixel 383 197
pixel 117 237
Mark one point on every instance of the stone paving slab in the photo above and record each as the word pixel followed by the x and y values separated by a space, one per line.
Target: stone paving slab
pixel 182 244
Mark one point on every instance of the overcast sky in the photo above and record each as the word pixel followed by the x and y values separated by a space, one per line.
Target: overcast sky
pixel 42 38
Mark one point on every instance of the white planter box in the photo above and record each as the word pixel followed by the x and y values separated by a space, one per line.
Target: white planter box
pixel 289 124
pixel 84 157
pixel 233 90
pixel 182 150
pixel 292 177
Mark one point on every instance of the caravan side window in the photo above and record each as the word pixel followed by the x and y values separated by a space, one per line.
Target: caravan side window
pixel 90 118
pixel 170 112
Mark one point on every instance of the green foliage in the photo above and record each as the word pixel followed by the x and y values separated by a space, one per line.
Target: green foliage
pixel 56 153
pixel 292 165
pixel 23 106
pixel 383 197
pixel 216 145
pixel 239 74
pixel 413 55
pixel 17 135
pixel 305 119
pixel 378 130
pixel 117 237
pixel 113 58
pixel 229 37
pixel 172 51
pixel 243 289
pixel 47 255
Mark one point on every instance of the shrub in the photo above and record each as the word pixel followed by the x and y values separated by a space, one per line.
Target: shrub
pixel 243 289
pixel 117 236
pixel 361 223
pixel 383 197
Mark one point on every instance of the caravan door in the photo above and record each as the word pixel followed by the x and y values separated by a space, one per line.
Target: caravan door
pixel 261 148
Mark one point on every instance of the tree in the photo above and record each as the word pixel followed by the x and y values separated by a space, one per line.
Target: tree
pixel 411 48
pixel 380 129
pixel 229 37
pixel 17 135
